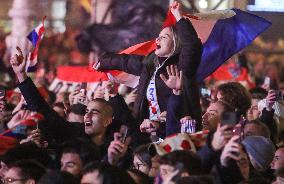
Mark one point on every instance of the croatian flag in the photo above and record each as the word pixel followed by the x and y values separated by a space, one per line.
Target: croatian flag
pixel 35 37
pixel 223 34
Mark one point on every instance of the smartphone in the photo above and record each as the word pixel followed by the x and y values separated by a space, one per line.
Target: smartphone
pixel 123 131
pixel 266 81
pixel 279 95
pixel 2 92
pixel 229 118
pixel 205 93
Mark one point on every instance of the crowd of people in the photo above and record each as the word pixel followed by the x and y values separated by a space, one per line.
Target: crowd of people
pixel 167 130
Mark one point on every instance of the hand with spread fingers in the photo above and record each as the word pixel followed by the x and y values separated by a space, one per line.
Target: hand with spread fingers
pixel 18 63
pixel 18 118
pixel 175 79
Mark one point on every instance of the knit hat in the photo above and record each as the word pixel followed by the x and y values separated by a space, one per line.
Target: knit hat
pixel 261 150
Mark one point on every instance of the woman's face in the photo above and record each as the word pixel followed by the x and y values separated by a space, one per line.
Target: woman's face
pixel 165 43
pixel 141 166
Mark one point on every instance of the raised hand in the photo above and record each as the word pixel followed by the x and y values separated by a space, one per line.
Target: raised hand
pixel 270 99
pixel 162 117
pixel 110 89
pixel 175 78
pixel 18 118
pixel 117 149
pixel 36 137
pixel 149 126
pixel 72 96
pixel 81 97
pixel 176 10
pixel 222 135
pixel 230 151
pixel 131 97
pixel 18 63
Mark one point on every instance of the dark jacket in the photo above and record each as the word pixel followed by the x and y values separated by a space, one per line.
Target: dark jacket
pixel 267 118
pixel 187 60
pixel 55 127
pixel 59 130
pixel 208 156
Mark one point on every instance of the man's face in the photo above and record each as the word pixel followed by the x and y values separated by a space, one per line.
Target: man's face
pixel 166 171
pixel 13 175
pixel 252 129
pixel 92 178
pixel 71 162
pixel 253 112
pixel 165 43
pixel 211 117
pixel 96 119
pixel 278 160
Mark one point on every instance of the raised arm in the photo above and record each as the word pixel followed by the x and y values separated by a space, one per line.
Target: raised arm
pixel 191 50
pixel 56 125
pixel 131 64
pixel 174 82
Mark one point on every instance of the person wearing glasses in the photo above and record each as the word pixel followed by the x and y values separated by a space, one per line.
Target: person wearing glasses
pixel 23 172
pixel 142 159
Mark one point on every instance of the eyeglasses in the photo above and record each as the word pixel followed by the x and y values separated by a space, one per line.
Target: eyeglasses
pixel 138 166
pixel 11 180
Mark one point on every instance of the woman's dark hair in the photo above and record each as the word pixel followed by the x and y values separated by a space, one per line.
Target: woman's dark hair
pixel 29 169
pixel 58 177
pixel 265 132
pixel 227 107
pixel 27 150
pixel 142 152
pixel 109 174
pixel 87 151
pixel 236 95
pixel 190 161
pixel 258 93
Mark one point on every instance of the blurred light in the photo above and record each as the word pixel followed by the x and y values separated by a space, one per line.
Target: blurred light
pixel 267 5
pixel 203 4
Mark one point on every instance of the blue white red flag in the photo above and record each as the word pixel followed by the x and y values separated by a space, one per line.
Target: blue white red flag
pixel 35 37
pixel 223 34
pixel 226 37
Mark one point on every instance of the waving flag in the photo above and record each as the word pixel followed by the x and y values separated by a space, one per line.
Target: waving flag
pixel 70 78
pixel 35 37
pixel 223 34
pixel 11 137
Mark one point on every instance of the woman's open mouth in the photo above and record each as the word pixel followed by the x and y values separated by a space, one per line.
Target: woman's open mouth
pixel 88 124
